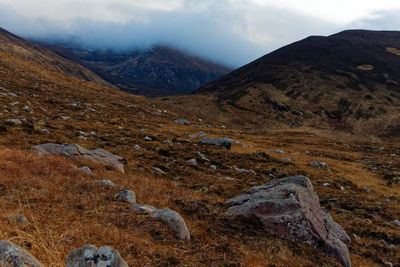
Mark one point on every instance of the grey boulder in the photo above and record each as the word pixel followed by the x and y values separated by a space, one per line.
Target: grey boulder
pixel 318 164
pixel 290 208
pixel 175 221
pixel 126 196
pixel 90 256
pixel 221 142
pixel 75 151
pixel 15 256
pixel 182 122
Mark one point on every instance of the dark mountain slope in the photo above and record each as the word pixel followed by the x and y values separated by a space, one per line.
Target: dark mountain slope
pixel 348 81
pixel 155 72
pixel 10 43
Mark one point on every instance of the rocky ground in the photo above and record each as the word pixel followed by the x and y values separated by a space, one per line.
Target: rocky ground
pixel 61 207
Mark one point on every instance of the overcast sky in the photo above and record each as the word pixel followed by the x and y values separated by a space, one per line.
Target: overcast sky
pixel 233 32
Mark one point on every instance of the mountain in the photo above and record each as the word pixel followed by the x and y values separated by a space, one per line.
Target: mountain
pixel 16 46
pixel 157 71
pixel 347 81
pixel 52 204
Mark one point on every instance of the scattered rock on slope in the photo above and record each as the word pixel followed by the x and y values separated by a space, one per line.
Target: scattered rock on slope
pixel 174 221
pixel 126 196
pixel 290 208
pixel 13 255
pixel 75 151
pixel 182 122
pixel 222 142
pixel 317 164
pixel 90 256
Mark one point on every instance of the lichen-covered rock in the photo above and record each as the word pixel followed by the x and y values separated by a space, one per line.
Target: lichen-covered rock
pixel 222 142
pixel 290 208
pixel 90 256
pixel 15 256
pixel 105 182
pixel 87 170
pixel 126 196
pixel 175 221
pixel 75 151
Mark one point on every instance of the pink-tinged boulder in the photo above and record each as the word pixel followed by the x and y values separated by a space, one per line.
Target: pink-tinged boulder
pixel 74 151
pixel 290 208
pixel 13 255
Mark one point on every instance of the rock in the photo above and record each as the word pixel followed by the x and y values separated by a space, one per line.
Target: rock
pixel 158 170
pixel 280 151
pixel 64 117
pixel 182 122
pixel 392 246
pixel 91 256
pixel 222 142
pixel 105 182
pixel 87 170
pixel 75 151
pixel 396 222
pixel 15 256
pixel 174 221
pixel 126 196
pixel 213 167
pixel 45 131
pixel 342 188
pixel 19 218
pixel 317 164
pixel 366 189
pixel 192 162
pixel 136 147
pixel 147 138
pixel 389 264
pixel 202 157
pixel 13 122
pixel 288 159
pixel 26 109
pixel 142 208
pixel 290 208
pixel 243 170
pixel 202 134
pixel 325 184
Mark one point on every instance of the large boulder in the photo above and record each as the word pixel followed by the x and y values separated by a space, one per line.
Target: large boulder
pixel 75 151
pixel 13 255
pixel 290 208
pixel 90 256
pixel 174 221
pixel 222 142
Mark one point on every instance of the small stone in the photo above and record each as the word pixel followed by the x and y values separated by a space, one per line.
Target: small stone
pixel 64 117
pixel 325 184
pixel 87 170
pixel 13 122
pixel 366 189
pixel 342 188
pixel 192 162
pixel 396 222
pixel 318 164
pixel 288 159
pixel 45 131
pixel 106 182
pixel 392 246
pixel 213 167
pixel 136 147
pixel 147 138
pixel 19 218
pixel 158 170
pixel 280 151
pixel 389 264
pixel 182 122
pixel 26 109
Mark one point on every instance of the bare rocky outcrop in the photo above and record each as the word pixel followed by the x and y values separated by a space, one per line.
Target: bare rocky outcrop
pixel 15 256
pixel 290 208
pixel 75 151
pixel 91 256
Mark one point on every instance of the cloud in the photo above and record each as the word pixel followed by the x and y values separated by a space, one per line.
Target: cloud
pixel 232 32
